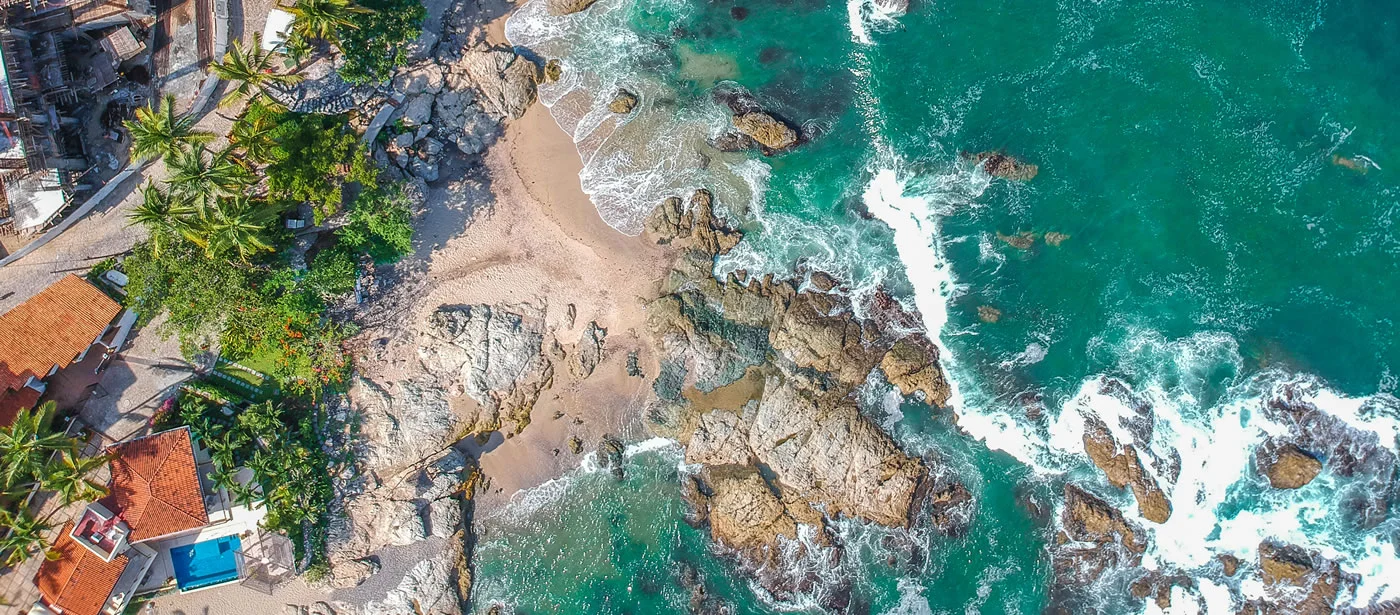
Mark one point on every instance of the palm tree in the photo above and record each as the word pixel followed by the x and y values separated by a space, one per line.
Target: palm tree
pixel 26 445
pixel 320 19
pixel 238 224
pixel 69 477
pixel 251 137
pixel 25 538
pixel 160 132
pixel 162 214
pixel 202 176
pixel 252 69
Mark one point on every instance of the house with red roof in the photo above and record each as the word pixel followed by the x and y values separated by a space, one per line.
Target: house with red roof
pixel 162 522
pixel 50 332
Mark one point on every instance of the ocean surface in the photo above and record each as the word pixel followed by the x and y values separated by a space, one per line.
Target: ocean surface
pixel 1222 177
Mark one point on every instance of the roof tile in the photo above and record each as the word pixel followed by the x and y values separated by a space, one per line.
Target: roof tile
pixel 51 328
pixel 155 486
pixel 77 581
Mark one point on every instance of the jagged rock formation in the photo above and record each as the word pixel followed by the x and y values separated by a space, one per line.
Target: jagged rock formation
pixel 1295 581
pixel 797 357
pixel 506 81
pixel 1095 541
pixel 1123 469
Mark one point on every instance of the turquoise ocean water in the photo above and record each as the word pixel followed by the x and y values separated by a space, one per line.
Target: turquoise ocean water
pixel 1217 253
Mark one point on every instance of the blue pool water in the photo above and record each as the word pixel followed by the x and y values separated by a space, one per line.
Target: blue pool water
pixel 206 563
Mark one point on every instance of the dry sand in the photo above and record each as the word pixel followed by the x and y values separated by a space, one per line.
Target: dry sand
pixel 540 245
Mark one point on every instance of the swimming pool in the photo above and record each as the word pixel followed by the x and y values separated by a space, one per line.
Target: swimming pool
pixel 206 563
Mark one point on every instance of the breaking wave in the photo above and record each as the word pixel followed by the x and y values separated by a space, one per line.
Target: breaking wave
pixel 632 161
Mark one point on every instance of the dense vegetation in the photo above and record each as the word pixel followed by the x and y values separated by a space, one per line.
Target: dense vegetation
pixel 218 263
pixel 378 41
pixel 34 457
pixel 373 37
pixel 230 278
pixel 278 443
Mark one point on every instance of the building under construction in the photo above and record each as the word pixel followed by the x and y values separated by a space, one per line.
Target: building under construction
pixel 57 58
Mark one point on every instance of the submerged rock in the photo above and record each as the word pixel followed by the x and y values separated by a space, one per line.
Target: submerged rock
pixel 1287 466
pixel 553 70
pixel 988 314
pixel 998 164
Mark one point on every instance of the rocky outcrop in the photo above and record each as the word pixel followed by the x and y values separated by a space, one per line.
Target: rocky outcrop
pixel 395 510
pixel 744 513
pixel 770 132
pixel 491 355
pixel 1123 469
pixel 560 8
pixel 399 428
pixel 998 164
pixel 1296 581
pixel 912 366
pixel 589 351
pixel 790 449
pixel 1095 540
pixel 623 102
pixel 826 451
pixel 1287 466
pixel 506 81
pixel 427 589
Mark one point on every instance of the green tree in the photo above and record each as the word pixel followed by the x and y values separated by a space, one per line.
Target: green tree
pixel 252 70
pixel 380 39
pixel 316 156
pixel 158 131
pixel 237 225
pixel 323 19
pixel 26 445
pixel 201 177
pixel 165 216
pixel 69 477
pixel 251 135
pixel 26 535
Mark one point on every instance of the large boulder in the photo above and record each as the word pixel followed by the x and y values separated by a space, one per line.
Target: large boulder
pixel 770 132
pixel 426 77
pixel 505 80
pixel 1089 519
pixel 720 437
pixel 1287 466
pixel 460 119
pixel 623 102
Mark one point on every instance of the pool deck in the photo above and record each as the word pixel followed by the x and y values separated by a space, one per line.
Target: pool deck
pixel 243 522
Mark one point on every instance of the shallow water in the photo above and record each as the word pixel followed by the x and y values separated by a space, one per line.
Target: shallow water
pixel 1215 249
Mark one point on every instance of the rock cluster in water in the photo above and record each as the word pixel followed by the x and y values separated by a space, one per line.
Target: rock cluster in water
pixel 1005 166
pixel 790 449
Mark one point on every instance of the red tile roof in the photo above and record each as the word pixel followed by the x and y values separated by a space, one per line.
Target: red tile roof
pixel 11 402
pixel 154 487
pixel 51 328
pixel 78 581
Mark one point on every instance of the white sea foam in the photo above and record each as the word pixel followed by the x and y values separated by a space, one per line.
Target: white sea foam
pixel 632 162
